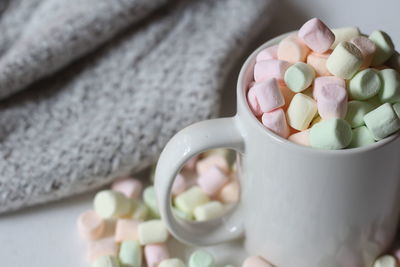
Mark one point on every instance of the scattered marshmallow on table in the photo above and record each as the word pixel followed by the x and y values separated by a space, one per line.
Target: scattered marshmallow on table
pixel 356 110
pixel 102 247
pixel 208 211
pixel 384 47
pixel 128 186
pixel 155 253
pixel 172 263
pixel 106 261
pixel 318 62
pixel 151 232
pixel 331 134
pixel 179 185
pixel 212 180
pixel 390 91
pixel 345 60
pixel 149 198
pixel 385 261
pixel 301 111
pixel 256 262
pixel 299 77
pixel 108 204
pixel 268 53
pixel 130 254
pixel 382 121
pixel 367 49
pixel 201 258
pixel 268 69
pixel 345 34
pixel 140 211
pixel 126 229
pixel 316 35
pixel 213 160
pixel 190 199
pixel 301 138
pixel 268 95
pixel 332 101
pixel 361 137
pixel 364 85
pixel 90 225
pixel 276 122
pixel 292 49
pixel 230 193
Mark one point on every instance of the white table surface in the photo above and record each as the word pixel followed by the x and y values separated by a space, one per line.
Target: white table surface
pixel 45 236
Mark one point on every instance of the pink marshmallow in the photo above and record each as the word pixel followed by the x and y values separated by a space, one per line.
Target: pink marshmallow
pixel 319 82
pixel 229 193
pixel 331 101
pixel 268 53
pixel 102 247
pixel 205 164
pixel 212 181
pixel 268 69
pixel 301 138
pixel 90 225
pixel 268 95
pixel 155 253
pixel 276 122
pixel 179 185
pixel 128 186
pixel 190 165
pixel 367 48
pixel 318 62
pixel 253 103
pixel 256 262
pixel 316 35
pixel 126 229
pixel 292 49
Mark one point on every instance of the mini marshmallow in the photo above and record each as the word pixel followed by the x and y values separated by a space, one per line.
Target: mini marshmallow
pixel 316 35
pixel 318 62
pixel 390 91
pixel 382 121
pixel 179 185
pixel 292 49
pixel 287 95
pixel 367 49
pixel 375 101
pixel 229 193
pixel 301 138
pixel 276 122
pixel 102 247
pixel 396 108
pixel 183 215
pixel 172 263
pixel 299 76
pixel 128 186
pixel 361 137
pixel 384 47
pixel 190 165
pixel 155 253
pixel 106 261
pixel 190 199
pixel 345 60
pixel 201 258
pixel 212 181
pixel 126 229
pixel 301 111
pixel 214 160
pixel 319 82
pixel 272 68
pixel 268 53
pixel 130 254
pixel 268 95
pixel 110 204
pixel 385 261
pixel 140 211
pixel 149 198
pixel 364 85
pixel 331 134
pixel 153 231
pixel 345 34
pixel 356 110
pixel 253 103
pixel 256 262
pixel 90 225
pixel 208 211
pixel 332 101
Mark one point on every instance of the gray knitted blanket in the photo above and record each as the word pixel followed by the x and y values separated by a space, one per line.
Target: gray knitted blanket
pixel 93 89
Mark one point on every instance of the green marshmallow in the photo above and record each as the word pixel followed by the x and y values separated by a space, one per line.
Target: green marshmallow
pixel 384 47
pixel 331 134
pixel 149 198
pixel 130 254
pixel 106 261
pixel 382 121
pixel 375 101
pixel 111 204
pixel 201 258
pixel 364 85
pixel 299 76
pixel 183 215
pixel 172 263
pixel 356 111
pixel 396 108
pixel 361 137
pixel 390 91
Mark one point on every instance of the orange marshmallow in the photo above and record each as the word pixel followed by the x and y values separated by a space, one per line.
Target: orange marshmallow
pixel 214 160
pixel 318 62
pixel 229 193
pixel 301 138
pixel 292 49
pixel 287 95
pixel 102 247
pixel 126 229
pixel 90 225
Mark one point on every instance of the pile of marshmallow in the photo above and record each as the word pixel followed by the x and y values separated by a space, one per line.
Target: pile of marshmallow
pixel 328 89
pixel 125 230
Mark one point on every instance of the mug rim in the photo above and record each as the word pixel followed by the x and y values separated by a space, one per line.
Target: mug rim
pixel 242 101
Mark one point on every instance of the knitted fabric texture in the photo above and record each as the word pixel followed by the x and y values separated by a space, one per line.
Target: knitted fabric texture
pixel 94 89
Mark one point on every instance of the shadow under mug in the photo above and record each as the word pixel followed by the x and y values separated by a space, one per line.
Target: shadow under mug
pixel 298 206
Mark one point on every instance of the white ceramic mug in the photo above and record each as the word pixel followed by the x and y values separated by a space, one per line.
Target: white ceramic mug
pixel 299 207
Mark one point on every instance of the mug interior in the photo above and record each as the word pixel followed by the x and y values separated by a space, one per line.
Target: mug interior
pixel 246 76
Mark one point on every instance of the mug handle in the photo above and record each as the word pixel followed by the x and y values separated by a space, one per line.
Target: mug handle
pixel 187 143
